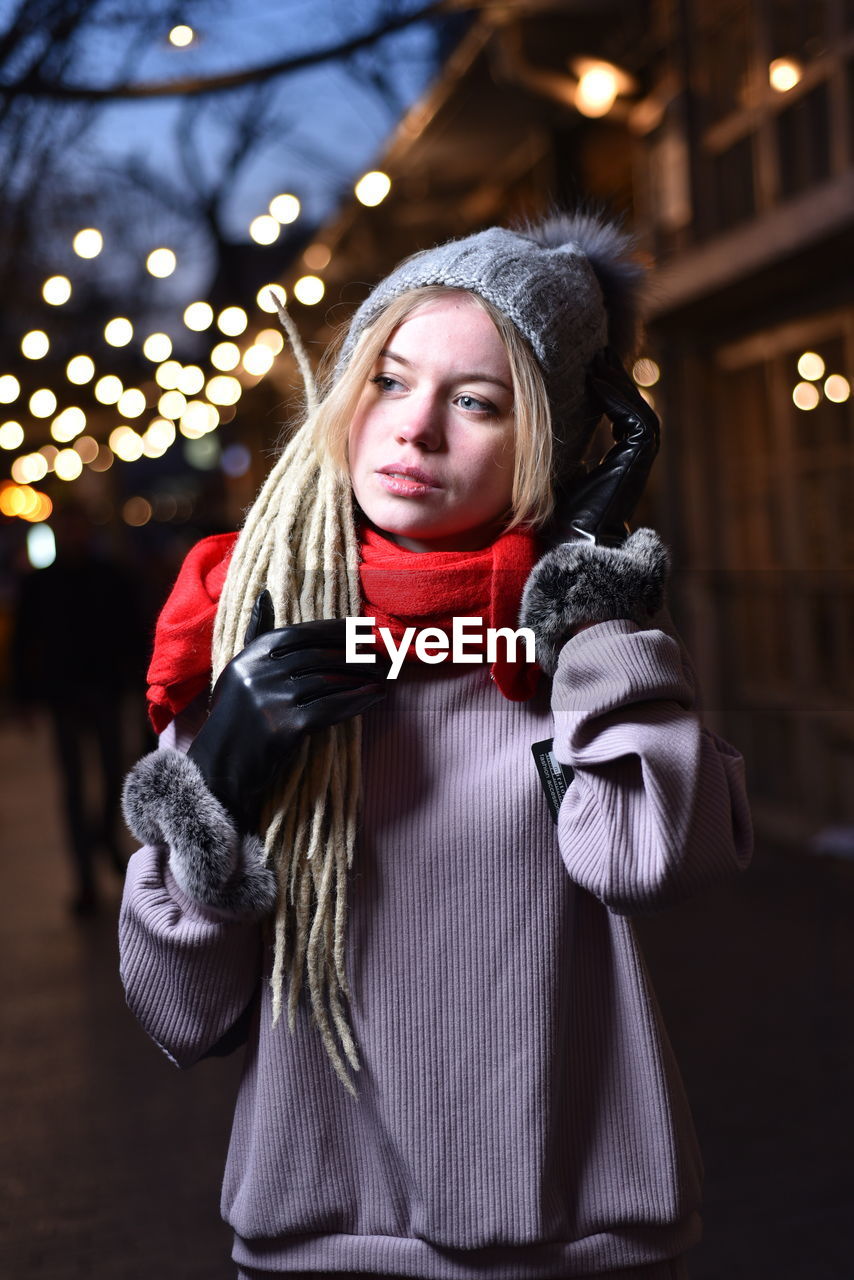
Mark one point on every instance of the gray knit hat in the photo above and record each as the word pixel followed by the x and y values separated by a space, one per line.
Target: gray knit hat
pixel 570 286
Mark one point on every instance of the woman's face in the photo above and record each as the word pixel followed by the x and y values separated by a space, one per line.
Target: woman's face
pixel 431 446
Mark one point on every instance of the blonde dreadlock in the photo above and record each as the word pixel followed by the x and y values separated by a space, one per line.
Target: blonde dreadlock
pixel 300 541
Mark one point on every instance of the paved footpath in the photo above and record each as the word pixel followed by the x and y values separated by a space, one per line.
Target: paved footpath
pixel 112 1159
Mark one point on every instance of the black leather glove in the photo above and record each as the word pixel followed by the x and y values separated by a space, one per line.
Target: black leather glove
pixel 598 571
pixel 285 683
pixel 598 508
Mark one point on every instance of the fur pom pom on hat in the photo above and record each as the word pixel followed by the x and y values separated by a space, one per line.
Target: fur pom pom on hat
pixel 569 284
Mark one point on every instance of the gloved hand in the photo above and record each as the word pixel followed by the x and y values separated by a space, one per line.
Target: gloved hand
pixel 599 507
pixel 599 571
pixel 284 683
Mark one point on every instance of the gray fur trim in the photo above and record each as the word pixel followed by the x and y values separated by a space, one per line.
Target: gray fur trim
pixel 580 582
pixel 166 801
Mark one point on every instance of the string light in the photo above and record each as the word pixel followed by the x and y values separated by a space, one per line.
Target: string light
pixel 181 36
pixel 191 379
pixel 806 395
pixel 49 452
pixel 161 263
pixel 372 188
pixel 118 332
pixel 35 344
pixel 223 389
pixel 811 366
pixel 837 388
pixel 87 447
pixel 264 300
pixel 157 347
pixel 11 435
pixel 271 338
pixel 29 468
pixel 125 443
pixel 88 243
pixel 284 208
pixel 258 360
pixel 171 404
pixel 264 229
pixel 80 369
pixel 167 374
pixel 56 290
pixel 198 419
pixel 42 403
pixel 68 465
pixel 68 424
pixel 232 321
pixel 309 290
pixel 131 403
pixel 317 256
pixel 198 316
pixel 784 74
pixel 108 389
pixel 10 388
pixel 225 356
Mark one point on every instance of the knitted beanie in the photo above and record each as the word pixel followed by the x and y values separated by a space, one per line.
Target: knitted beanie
pixel 570 285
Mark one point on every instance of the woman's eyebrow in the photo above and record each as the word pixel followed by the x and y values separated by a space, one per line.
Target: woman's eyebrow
pixel 388 354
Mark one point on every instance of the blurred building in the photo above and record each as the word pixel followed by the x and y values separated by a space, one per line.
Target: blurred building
pixel 730 147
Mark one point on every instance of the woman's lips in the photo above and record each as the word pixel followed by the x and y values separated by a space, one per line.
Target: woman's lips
pixel 406 482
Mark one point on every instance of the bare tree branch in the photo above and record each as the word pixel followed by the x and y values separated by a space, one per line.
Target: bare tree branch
pixel 34 84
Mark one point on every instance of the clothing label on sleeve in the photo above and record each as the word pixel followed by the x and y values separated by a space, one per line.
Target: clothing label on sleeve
pixel 554 777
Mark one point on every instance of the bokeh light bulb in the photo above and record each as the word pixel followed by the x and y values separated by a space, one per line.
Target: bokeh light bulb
pixel 35 344
pixel 88 243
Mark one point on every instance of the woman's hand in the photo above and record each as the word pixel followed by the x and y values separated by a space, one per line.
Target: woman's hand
pixel 599 571
pixel 599 507
pixel 284 683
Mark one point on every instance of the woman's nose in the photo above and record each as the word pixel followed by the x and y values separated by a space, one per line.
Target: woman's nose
pixel 420 423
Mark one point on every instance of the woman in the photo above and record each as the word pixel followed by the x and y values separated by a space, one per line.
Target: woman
pixel 474 1079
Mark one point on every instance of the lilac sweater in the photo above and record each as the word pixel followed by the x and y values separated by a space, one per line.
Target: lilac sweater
pixel 519 1111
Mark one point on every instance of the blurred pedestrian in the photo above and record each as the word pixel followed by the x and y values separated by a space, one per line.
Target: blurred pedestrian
pixel 77 648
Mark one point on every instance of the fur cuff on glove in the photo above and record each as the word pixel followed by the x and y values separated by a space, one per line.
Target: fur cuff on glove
pixel 166 801
pixel 580 582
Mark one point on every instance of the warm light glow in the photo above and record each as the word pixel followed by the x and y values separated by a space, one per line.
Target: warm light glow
pixel 806 395
pixel 131 403
pixel 264 229
pixel 317 256
pixel 372 188
pixel 10 388
pixel 181 36
pixel 104 460
pixel 171 404
pixel 597 89
pixel 167 374
pixel 125 443
pixel 225 356
pixel 223 390
pixel 88 243
pixel 258 360
pixel 56 290
pixel 198 316
pixel 35 344
pixel 108 389
pixel 232 321
pixel 837 388
pixel 191 379
pixel 265 302
pixel 309 290
pixel 118 332
pixel 271 338
pixel 42 403
pixel 80 369
pixel 68 464
pixel 136 512
pixel 198 419
pixel 87 447
pixel 159 436
pixel 161 263
pixel 22 501
pixel 811 366
pixel 68 424
pixel 157 347
pixel 11 435
pixel 783 74
pixel 41 544
pixel 645 372
pixel 49 452
pixel 29 468
pixel 284 208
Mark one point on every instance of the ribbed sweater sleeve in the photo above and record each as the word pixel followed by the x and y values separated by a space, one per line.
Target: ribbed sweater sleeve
pixel 657 809
pixel 188 972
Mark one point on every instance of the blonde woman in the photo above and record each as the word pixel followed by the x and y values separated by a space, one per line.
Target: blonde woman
pixel 419 844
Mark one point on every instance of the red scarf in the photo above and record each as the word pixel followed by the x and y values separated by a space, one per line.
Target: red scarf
pixel 433 586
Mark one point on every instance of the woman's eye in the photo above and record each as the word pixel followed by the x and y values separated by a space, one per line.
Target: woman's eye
pixel 474 405
pixel 385 382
